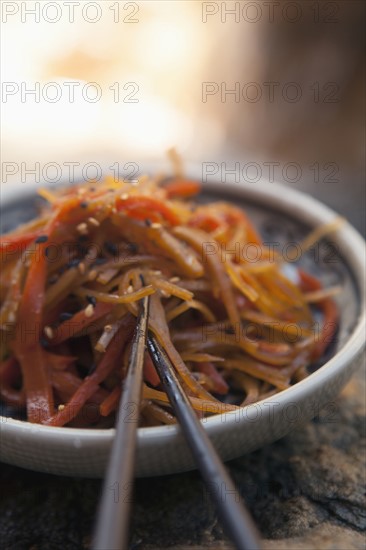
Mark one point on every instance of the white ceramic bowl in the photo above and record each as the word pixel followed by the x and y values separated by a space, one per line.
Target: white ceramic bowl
pixel 284 214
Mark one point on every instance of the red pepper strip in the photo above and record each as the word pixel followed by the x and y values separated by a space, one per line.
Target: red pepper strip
pixel 150 374
pixel 204 221
pixel 26 346
pixel 67 215
pixel 10 371
pixel 66 384
pixel 111 402
pixel 233 216
pixel 79 322
pixel 219 384
pixel 90 384
pixel 10 374
pixel 141 208
pixel 182 188
pixel 66 208
pixel 11 244
pixel 52 316
pixel 58 362
pixel 330 313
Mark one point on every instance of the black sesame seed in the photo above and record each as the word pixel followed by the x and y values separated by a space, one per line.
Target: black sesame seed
pixel 65 316
pixel 111 248
pixel 132 247
pixel 73 263
pixel 100 261
pixel 62 269
pixel 41 239
pixel 148 222
pixel 44 342
pixel 91 300
pixel 84 205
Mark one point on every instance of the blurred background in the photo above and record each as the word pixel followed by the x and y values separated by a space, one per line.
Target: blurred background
pixel 273 89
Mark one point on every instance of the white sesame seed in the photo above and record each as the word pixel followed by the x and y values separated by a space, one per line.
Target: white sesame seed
pixel 94 222
pixel 11 317
pixel 124 196
pixel 81 268
pixel 89 310
pixel 174 279
pixel 82 228
pixel 130 289
pixel 108 328
pixel 48 332
pixel 61 407
pixel 92 275
pixel 156 225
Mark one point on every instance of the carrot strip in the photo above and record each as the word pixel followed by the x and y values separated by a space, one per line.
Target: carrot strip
pixel 67 383
pixel 11 244
pixel 10 374
pixel 110 403
pixel 143 207
pixel 26 346
pixel 79 322
pixel 182 188
pixel 219 384
pixel 91 383
pixel 150 374
pixel 58 362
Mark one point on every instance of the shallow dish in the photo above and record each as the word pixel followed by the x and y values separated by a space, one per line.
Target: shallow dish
pixel 283 216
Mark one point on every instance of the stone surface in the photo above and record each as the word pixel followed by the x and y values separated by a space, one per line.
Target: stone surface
pixel 306 491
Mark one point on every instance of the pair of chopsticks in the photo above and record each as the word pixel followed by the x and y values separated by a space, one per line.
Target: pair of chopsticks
pixel 114 513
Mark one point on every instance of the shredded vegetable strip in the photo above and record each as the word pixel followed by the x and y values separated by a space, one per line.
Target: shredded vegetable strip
pixel 91 384
pixel 223 289
pixel 330 312
pixel 115 298
pixel 27 348
pixel 191 304
pixel 197 404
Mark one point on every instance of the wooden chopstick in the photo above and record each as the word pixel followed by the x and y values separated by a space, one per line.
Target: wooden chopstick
pixel 114 509
pixel 239 525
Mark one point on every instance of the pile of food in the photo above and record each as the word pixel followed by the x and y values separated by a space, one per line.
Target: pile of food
pixel 236 330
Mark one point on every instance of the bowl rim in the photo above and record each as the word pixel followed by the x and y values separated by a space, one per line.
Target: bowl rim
pixel 281 198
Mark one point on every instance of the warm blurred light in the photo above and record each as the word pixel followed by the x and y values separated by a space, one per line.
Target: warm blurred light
pixel 150 127
pixel 165 44
pixel 46 121
pixel 158 54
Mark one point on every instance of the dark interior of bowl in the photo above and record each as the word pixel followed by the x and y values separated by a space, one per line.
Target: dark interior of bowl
pixel 281 232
